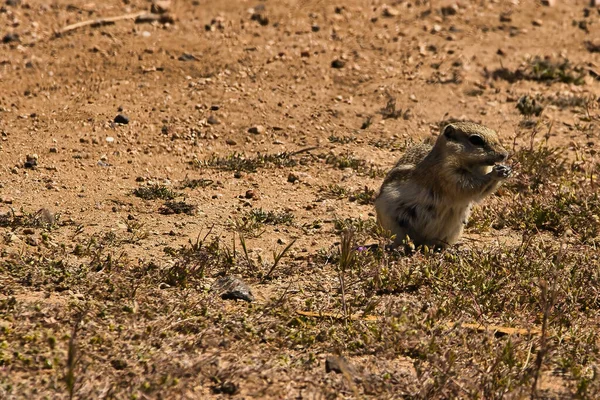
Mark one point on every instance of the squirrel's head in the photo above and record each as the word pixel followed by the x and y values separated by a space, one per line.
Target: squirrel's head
pixel 474 146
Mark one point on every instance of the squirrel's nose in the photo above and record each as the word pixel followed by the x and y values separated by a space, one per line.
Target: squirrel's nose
pixel 502 156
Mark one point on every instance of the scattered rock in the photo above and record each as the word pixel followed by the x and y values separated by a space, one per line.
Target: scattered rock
pixel 449 10
pixel 13 3
pixel 257 130
pixel 292 178
pixel 118 364
pixel 339 365
pixel 251 194
pixel 262 19
pixel 110 139
pixel 231 142
pixel 121 119
pixel 259 16
pixel 46 216
pixel 53 150
pixel 537 22
pixel 592 46
pixel 32 161
pixel 160 7
pixel 232 288
pixel 226 387
pixel 31 241
pixel 11 37
pixel 337 63
pixel 315 28
pixel 549 3
pixel 187 57
pixel 390 12
pixel 212 120
pixel 214 107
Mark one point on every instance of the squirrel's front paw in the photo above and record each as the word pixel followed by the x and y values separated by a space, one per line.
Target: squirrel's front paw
pixel 501 171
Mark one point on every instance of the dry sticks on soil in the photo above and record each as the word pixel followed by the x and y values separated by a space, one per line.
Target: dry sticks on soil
pixel 139 17
pixel 499 330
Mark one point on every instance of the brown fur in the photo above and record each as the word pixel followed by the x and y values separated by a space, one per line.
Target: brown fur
pixel 428 195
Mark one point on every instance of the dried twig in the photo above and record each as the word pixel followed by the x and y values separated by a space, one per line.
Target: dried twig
pixel 497 329
pixel 99 22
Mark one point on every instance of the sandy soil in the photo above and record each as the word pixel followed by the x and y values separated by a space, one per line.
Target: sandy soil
pixel 309 78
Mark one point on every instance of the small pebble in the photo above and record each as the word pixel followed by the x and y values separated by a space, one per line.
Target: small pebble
pixel 11 37
pixel 160 7
pixel 390 12
pixel 337 63
pixel 259 17
pixel 187 57
pixel 257 130
pixel 32 161
pixel 231 142
pixel 121 119
pixel 232 288
pixel 110 139
pixel 339 365
pixel 213 120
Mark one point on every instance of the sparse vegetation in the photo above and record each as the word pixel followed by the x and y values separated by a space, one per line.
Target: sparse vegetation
pixel 347 160
pixel 178 207
pixel 529 106
pixel 196 183
pixel 362 196
pixel 271 217
pixel 267 161
pixel 154 192
pixel 543 70
pixel 342 139
pixel 239 162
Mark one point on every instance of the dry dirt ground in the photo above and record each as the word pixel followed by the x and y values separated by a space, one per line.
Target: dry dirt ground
pixel 258 133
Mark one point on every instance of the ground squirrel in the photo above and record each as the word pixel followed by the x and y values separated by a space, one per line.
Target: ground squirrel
pixel 428 195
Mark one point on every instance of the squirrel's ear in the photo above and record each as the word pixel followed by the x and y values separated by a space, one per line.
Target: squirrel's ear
pixel 450 132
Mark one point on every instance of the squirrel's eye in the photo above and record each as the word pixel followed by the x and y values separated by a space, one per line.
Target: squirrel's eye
pixel 476 140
